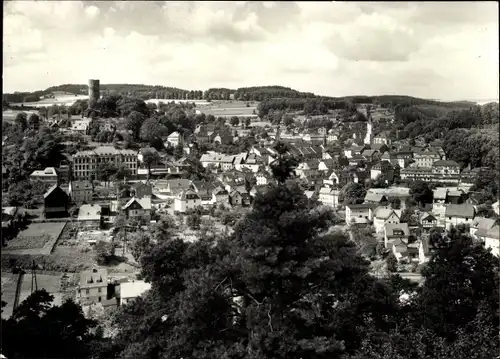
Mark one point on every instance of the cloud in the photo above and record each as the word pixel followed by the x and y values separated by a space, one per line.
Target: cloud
pixel 333 48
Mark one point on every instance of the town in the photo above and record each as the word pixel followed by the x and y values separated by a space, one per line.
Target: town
pixel 250 180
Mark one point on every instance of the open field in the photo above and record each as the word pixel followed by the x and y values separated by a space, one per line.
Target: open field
pixel 66 100
pixel 51 283
pixel 9 283
pixel 225 109
pixel 38 238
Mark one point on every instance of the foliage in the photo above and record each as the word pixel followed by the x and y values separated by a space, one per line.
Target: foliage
pixel 284 166
pixel 353 193
pixel 135 121
pixel 152 129
pixel 193 221
pixel 234 121
pixel 22 121
pixel 421 192
pixel 392 263
pixel 51 331
pixel 104 252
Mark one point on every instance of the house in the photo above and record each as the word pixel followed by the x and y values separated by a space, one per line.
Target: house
pixel 138 209
pixel 220 196
pixel 89 216
pixel 371 155
pixel 329 196
pixel 456 214
pixel 205 191
pixel 56 202
pixel 187 200
pixel 263 178
pixel 48 175
pixel 426 158
pixel 173 187
pixel 428 221
pixel 496 207
pixel 490 238
pixel 384 215
pixel 440 196
pixel 93 286
pixel 353 150
pixel 326 165
pixel 132 290
pixel 359 213
pixel 174 139
pixel 142 190
pixel 481 223
pixel 396 233
pixel 382 138
pixel 378 198
pixel 80 191
pixel 446 167
pixel 235 198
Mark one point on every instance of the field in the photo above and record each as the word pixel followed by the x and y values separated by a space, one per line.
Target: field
pixel 38 238
pixel 227 109
pixel 9 283
pixel 66 100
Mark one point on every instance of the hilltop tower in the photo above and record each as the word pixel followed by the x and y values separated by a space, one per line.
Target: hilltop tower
pixel 94 91
pixel 369 127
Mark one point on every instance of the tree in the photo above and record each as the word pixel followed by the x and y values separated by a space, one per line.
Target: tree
pixel 140 243
pixel 284 166
pixel 22 121
pixel 353 193
pixel 234 121
pixel 34 121
pixel 265 292
pixel 392 263
pixel 134 123
pixel 287 120
pixel 152 129
pixel 150 158
pixel 421 192
pixel 105 171
pixel 51 331
pixel 179 151
pixel 395 203
pixel 193 221
pixel 104 252
pixel 248 121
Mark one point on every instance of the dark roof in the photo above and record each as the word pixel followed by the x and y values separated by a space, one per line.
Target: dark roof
pixel 460 210
pixel 445 163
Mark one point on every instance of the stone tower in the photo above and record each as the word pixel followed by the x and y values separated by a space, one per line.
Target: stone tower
pixel 369 127
pixel 94 91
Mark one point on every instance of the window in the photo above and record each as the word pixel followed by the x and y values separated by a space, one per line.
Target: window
pixel 99 299
pixel 450 218
pixel 86 291
pixel 99 290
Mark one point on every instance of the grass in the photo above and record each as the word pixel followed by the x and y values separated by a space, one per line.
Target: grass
pixel 51 283
pixel 225 109
pixel 38 238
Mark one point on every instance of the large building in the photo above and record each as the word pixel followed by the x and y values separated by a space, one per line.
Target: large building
pixel 94 91
pixel 85 163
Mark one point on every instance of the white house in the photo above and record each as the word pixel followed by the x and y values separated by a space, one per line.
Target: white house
pixel 384 215
pixel 491 239
pixel 423 250
pixel 186 201
pixel 456 214
pixel 174 139
pixel 358 213
pixel 132 290
pixel 394 233
pixel 329 196
pixel 376 171
pixel 138 209
pixel 263 179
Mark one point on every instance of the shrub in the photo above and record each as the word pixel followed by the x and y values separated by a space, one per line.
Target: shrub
pixel 392 263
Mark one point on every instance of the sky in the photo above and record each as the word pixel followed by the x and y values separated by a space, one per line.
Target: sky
pixel 438 50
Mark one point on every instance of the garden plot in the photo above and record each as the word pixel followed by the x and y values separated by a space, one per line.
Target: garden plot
pixel 38 238
pixel 51 283
pixel 9 283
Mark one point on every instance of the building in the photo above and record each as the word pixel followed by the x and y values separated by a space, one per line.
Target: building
pixel 491 239
pixel 329 196
pixel 359 213
pixel 86 163
pixel 496 207
pixel 142 190
pixel 56 202
pixel 220 196
pixel 138 209
pixel 48 175
pixel 80 191
pixel 396 233
pixel 445 167
pixel 235 198
pixel 132 290
pixel 93 287
pixel 369 128
pixel 426 158
pixel 383 216
pixel 187 200
pixel 171 188
pixel 481 223
pixel 174 139
pixel 428 221
pixel 456 214
pixel 382 138
pixel 89 216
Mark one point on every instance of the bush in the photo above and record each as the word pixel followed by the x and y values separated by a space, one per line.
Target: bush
pixel 104 252
pixel 392 263
pixel 381 250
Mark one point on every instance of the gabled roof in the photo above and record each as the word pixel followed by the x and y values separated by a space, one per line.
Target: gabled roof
pixel 50 190
pixel 460 210
pixel 145 203
pixel 392 229
pixel 89 212
pixel 189 194
pixel 445 163
pixel 374 197
pixel 384 212
pixel 483 223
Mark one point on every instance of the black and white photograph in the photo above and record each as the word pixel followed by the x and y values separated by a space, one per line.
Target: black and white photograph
pixel 250 180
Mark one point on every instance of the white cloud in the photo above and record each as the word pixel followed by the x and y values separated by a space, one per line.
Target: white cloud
pixel 335 48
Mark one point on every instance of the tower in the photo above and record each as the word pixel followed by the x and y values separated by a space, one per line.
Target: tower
pixel 369 127
pixel 94 93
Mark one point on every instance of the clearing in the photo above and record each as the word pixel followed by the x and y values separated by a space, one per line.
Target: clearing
pixel 38 238
pixel 228 109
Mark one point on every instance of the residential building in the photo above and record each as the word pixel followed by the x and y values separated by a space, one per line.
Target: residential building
pixel 428 221
pixel 142 190
pixel 394 233
pixel 385 215
pixel 424 253
pixel 481 223
pixel 378 198
pixel 235 198
pixel 131 290
pixel 138 209
pixel 187 200
pixel 144 150
pixel 329 196
pixel 93 287
pixel 456 214
pixel 56 202
pixel 382 138
pixel 48 175
pixel 171 188
pixel 359 213
pixel 80 191
pixel 220 196
pixel 426 158
pixel 263 178
pixel 491 239
pixel 326 165
pixel 445 167
pixel 174 139
pixel 85 163
pixel 89 216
